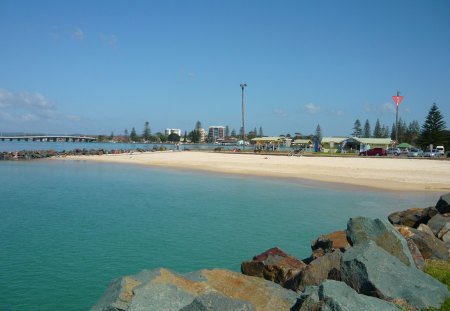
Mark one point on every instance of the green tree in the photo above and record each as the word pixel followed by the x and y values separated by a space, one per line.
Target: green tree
pixel 126 134
pixel 146 133
pixel 385 131
pixel 133 135
pixel 433 130
pixel 161 137
pixel 357 129
pixel 318 134
pixel 377 131
pixel 366 129
pixel 412 132
pixel 194 136
pixel 173 137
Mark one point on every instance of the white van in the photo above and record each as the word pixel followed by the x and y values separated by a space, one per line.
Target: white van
pixel 440 151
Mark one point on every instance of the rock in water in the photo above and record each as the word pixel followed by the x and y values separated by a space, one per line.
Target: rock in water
pixel 443 205
pixel 361 229
pixel 372 271
pixel 337 296
pixel 274 265
pixel 164 290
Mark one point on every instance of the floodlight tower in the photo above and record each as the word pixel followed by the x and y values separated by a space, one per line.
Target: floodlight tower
pixel 243 85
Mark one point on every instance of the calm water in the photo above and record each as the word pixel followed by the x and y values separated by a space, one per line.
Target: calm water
pixel 68 228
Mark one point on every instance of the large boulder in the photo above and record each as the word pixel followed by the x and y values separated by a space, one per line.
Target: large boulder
pixel 443 204
pixel 274 265
pixel 437 223
pixel 215 301
pixel 328 242
pixel 337 296
pixel 325 267
pixel 412 217
pixel 372 271
pixel 164 290
pixel 360 230
pixel 430 246
pixel 419 261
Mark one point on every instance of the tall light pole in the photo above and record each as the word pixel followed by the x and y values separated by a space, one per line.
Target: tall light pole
pixel 243 85
pixel 397 100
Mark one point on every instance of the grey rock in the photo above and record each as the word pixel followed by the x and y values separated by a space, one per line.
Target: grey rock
pixel 320 269
pixel 361 229
pixel 214 301
pixel 430 246
pixel 372 271
pixel 412 217
pixel 444 230
pixel 443 204
pixel 416 254
pixel 337 296
pixel 446 240
pixel 437 222
pixel 425 228
pixel 162 289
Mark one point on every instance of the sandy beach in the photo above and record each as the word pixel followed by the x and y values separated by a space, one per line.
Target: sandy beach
pixel 394 174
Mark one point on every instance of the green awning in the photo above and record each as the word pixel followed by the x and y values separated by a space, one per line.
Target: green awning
pixel 404 145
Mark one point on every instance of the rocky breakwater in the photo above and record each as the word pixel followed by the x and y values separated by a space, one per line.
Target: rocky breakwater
pixel 42 154
pixel 374 264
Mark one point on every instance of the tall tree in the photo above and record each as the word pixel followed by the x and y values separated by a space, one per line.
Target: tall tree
pixel 233 133
pixel 385 131
pixel 413 132
pixel 433 129
pixel 393 131
pixel 260 134
pixel 318 134
pixel 198 125
pixel 146 132
pixel 366 130
pixel 377 131
pixel 133 135
pixel 357 129
pixel 194 136
pixel 173 137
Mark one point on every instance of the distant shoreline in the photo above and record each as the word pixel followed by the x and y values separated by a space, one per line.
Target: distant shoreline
pixel 375 173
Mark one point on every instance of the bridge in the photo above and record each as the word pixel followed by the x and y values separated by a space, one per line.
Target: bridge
pixel 53 138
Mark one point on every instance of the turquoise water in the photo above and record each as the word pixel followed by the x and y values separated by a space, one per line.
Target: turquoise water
pixel 67 228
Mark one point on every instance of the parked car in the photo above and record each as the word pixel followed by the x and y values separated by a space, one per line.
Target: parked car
pixel 430 154
pixel 415 152
pixel 440 151
pixel 374 152
pixel 394 151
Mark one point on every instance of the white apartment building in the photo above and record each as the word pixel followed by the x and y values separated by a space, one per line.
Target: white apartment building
pixel 172 131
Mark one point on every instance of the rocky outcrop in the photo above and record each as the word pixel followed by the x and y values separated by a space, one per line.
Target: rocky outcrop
pixel 274 265
pixel 429 246
pixel 337 296
pixel 372 271
pixel 328 242
pixel 412 217
pixel 437 223
pixel 360 230
pixel 165 290
pixel 325 267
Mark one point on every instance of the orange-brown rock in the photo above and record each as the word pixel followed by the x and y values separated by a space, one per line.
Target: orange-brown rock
pixel 274 265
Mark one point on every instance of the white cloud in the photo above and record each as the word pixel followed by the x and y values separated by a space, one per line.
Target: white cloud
pixel 280 113
pixel 312 108
pixel 78 34
pixel 110 40
pixel 388 108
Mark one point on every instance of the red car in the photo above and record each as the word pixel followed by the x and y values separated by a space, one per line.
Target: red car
pixel 374 152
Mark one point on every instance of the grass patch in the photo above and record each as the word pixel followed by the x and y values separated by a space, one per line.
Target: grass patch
pixel 440 270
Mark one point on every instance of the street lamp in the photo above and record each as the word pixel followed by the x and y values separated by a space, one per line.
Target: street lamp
pixel 397 100
pixel 243 85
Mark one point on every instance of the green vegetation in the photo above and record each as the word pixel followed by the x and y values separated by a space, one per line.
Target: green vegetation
pixel 440 270
pixel 433 129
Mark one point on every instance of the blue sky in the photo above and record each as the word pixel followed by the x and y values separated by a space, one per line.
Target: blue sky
pixel 97 67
